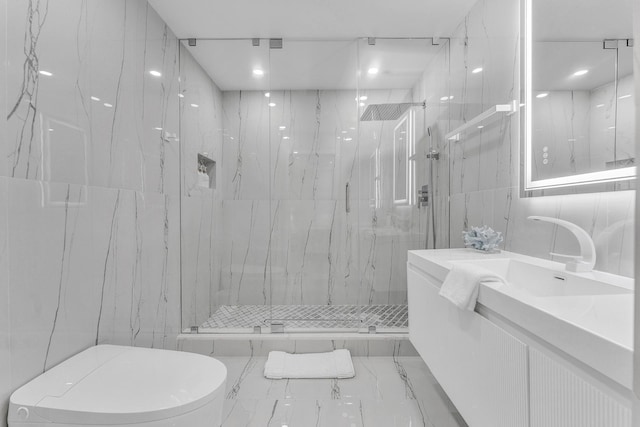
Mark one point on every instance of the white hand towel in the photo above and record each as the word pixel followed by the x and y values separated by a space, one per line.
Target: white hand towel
pixel 462 283
pixel 334 364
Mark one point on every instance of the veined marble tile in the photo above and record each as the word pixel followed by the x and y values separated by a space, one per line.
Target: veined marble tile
pixel 77 125
pixel 6 372
pixel 385 392
pixel 244 265
pixel 103 273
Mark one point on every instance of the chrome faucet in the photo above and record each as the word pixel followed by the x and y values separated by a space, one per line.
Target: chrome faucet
pixel 578 263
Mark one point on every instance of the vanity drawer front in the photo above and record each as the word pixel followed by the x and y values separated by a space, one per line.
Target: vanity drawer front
pixel 562 398
pixel 482 368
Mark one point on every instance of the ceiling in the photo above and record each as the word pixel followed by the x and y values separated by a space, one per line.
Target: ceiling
pixel 311 18
pixel 582 19
pixel 303 64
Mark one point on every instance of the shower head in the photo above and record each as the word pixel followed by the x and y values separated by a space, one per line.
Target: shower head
pixel 375 112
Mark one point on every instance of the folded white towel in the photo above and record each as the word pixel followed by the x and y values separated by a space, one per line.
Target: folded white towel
pixel 462 283
pixel 335 364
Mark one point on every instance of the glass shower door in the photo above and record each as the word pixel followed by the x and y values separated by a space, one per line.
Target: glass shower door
pixel 314 161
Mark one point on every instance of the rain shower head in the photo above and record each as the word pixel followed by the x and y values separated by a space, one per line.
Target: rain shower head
pixel 376 112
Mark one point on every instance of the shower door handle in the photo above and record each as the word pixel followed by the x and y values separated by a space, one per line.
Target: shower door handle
pixel 347 202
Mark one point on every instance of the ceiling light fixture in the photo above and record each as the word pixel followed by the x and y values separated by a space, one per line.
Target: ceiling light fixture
pixel 542 95
pixel 195 105
pixel 364 98
pixel 155 73
pixel 93 98
pixel 106 104
pixel 257 72
pixel 272 104
pixel 373 71
pixel 267 94
pixel 477 70
pixel 580 72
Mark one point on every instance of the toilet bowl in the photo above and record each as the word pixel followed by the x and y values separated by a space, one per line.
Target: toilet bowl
pixel 111 385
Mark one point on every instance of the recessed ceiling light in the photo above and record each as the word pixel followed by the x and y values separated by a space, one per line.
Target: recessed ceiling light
pixel 195 105
pixel 363 98
pixel 542 95
pixel 580 72
pixel 373 71
pixel 46 73
pixel 106 104
pixel 272 104
pixel 268 94
pixel 257 72
pixel 477 70
pixel 282 127
pixel 155 73
pixel 93 98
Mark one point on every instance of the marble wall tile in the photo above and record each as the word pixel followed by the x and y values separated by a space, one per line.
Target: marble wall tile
pixel 6 372
pixel 100 277
pixel 99 50
pixel 91 192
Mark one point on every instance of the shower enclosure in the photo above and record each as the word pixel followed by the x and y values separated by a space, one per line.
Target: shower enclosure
pixel 302 165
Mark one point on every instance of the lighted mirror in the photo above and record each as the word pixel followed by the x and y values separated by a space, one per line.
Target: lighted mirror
pixel 578 101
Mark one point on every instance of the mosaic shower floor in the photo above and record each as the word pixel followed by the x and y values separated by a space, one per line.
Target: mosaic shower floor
pixel 386 318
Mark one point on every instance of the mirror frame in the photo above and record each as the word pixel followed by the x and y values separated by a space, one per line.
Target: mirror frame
pixel 563 185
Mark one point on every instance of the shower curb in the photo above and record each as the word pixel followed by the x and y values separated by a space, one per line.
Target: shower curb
pixel 360 345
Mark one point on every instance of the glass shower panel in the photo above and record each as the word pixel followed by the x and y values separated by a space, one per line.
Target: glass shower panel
pixel 226 206
pixel 394 140
pixel 314 159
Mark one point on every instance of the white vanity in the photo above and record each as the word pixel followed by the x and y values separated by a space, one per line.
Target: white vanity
pixel 549 348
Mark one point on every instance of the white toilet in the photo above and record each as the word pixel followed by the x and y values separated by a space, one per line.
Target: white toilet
pixel 111 385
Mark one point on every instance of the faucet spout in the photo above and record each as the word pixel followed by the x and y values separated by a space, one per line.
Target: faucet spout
pixel 587 258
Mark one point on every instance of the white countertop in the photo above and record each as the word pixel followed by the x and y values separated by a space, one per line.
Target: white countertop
pixel 595 329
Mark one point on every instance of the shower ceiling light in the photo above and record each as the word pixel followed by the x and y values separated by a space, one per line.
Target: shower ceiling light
pixel 373 71
pixel 257 72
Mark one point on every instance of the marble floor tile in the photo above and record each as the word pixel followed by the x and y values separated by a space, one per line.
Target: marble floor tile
pixel 386 392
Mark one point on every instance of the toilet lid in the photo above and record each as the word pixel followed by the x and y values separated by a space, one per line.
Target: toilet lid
pixel 116 385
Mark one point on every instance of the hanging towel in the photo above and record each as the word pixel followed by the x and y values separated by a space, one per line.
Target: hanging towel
pixel 462 283
pixel 335 364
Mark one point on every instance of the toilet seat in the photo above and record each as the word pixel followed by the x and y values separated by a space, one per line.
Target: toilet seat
pixel 116 385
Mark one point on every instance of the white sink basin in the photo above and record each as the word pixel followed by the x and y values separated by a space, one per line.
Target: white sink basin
pixel 537 281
